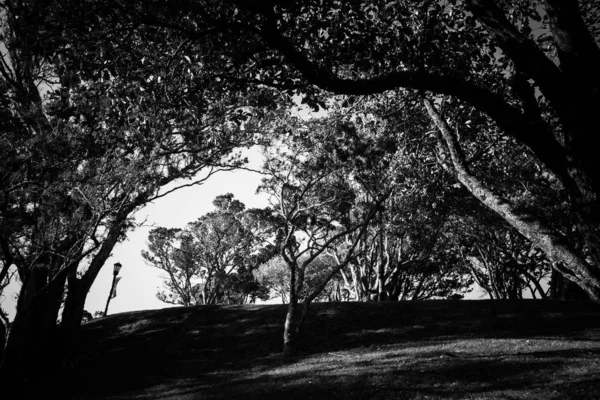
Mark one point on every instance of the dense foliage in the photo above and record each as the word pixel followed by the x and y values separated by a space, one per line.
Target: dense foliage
pixel 458 146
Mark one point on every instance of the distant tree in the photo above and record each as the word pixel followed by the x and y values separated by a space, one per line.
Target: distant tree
pixel 275 275
pixel 405 254
pixel 501 261
pixel 212 259
pixel 172 253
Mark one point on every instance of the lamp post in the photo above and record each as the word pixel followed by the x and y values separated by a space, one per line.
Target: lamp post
pixel 116 270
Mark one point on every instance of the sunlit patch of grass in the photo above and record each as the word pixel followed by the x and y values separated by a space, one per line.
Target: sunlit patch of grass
pixel 134 326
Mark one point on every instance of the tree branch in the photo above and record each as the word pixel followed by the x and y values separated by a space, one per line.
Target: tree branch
pixel 510 119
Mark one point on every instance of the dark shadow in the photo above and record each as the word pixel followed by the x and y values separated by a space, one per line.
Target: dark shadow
pixel 212 351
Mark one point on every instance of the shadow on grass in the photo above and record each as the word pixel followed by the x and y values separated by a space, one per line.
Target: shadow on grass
pixel 356 350
pixel 379 380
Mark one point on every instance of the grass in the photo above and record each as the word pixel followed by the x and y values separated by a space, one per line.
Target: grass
pixel 410 350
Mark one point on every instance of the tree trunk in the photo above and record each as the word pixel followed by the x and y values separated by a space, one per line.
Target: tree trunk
pixel 30 350
pixel 380 286
pixel 563 289
pixel 78 289
pixel 358 292
pixel 72 316
pixel 293 321
pixel 560 254
pixel 381 293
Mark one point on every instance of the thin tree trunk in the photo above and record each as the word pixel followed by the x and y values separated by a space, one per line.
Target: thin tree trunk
pixel 381 293
pixel 295 313
pixel 355 284
pixel 293 321
pixel 3 333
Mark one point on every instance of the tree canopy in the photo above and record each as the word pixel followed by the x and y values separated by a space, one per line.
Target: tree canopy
pixel 436 111
pixel 212 260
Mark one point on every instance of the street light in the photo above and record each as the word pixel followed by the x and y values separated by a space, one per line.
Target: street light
pixel 116 270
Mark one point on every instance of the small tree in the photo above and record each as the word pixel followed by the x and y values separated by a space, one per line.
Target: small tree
pixel 317 205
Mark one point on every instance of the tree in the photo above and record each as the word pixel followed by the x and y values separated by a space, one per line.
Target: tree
pixel 211 261
pixel 171 250
pixel 275 275
pixel 531 227
pixel 402 254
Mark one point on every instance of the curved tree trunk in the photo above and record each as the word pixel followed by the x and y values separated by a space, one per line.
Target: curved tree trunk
pixel 563 289
pixel 571 264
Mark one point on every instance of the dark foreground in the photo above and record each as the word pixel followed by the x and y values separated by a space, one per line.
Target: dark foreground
pixel 415 350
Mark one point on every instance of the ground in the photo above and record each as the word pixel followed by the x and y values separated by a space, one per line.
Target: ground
pixel 460 349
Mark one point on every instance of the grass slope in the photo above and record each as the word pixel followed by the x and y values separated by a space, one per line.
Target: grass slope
pixel 408 350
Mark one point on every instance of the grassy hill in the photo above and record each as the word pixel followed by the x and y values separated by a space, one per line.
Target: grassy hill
pixel 411 350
